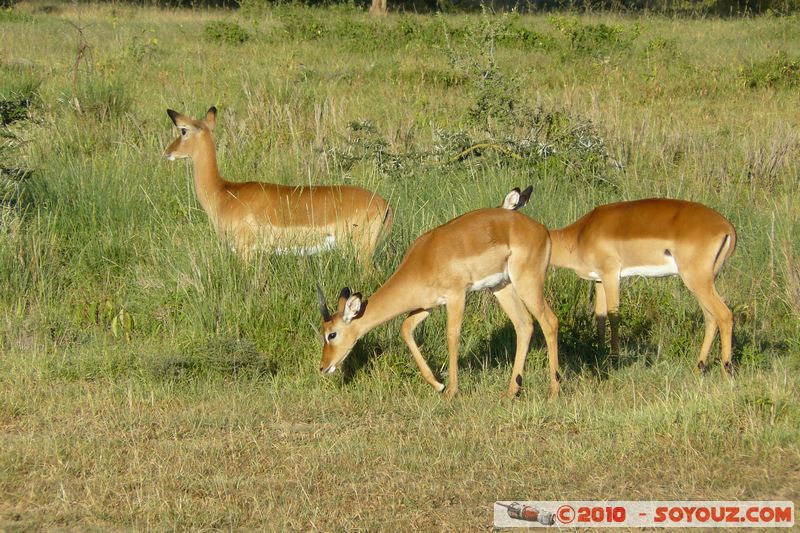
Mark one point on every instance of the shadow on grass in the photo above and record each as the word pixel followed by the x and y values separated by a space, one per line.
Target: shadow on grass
pixel 580 352
pixel 360 359
pixel 225 358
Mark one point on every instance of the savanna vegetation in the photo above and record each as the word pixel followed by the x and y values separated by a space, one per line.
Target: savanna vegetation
pixel 150 379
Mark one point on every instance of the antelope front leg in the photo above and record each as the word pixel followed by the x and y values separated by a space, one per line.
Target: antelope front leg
pixel 600 311
pixel 455 315
pixel 611 286
pixel 407 332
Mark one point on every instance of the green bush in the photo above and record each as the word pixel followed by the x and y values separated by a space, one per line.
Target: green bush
pixel 9 14
pixel 778 71
pixel 595 39
pixel 226 32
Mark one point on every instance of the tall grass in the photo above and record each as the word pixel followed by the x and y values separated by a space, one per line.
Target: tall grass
pixel 150 379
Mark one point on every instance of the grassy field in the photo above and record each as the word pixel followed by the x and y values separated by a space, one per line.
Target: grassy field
pixel 148 379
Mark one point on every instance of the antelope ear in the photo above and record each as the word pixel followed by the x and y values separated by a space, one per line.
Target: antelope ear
pixel 525 196
pixel 173 115
pixel 211 118
pixel 516 200
pixel 511 200
pixel 352 308
pixel 343 296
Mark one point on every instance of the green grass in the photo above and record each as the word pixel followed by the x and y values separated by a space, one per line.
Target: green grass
pixel 148 379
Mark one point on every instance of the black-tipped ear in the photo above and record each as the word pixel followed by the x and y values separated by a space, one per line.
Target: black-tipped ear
pixel 525 196
pixel 211 117
pixel 173 115
pixel 344 294
pixel 363 304
pixel 323 306
pixel 353 308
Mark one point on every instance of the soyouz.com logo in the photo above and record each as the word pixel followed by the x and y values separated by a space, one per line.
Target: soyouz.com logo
pixel 644 514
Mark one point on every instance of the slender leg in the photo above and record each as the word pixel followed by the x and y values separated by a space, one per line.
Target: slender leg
pixel 528 280
pixel 600 311
pixel 702 286
pixel 523 326
pixel 407 333
pixel 708 338
pixel 611 289
pixel 455 315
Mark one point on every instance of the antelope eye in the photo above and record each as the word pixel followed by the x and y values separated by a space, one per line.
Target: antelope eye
pixel 331 336
pixel 184 131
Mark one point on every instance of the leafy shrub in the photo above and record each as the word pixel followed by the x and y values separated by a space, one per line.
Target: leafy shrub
pixel 496 121
pixel 510 33
pixel 778 71
pixel 9 14
pixel 663 48
pixel 226 32
pixel 142 48
pixel 594 39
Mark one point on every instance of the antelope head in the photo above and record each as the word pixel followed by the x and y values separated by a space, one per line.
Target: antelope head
pixel 193 133
pixel 340 331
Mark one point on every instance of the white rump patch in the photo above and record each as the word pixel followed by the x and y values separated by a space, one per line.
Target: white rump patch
pixel 330 242
pixel 652 271
pixel 490 282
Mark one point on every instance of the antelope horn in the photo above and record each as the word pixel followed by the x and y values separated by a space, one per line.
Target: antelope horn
pixel 323 306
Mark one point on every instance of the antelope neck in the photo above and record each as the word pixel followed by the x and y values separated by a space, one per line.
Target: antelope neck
pixel 564 247
pixel 207 180
pixel 389 301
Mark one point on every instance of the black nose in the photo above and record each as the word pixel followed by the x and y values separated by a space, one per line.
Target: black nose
pixel 322 369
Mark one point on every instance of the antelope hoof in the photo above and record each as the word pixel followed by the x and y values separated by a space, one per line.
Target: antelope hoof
pixel 438 386
pixel 450 392
pixel 555 389
pixel 514 387
pixel 512 393
pixel 727 369
pixel 702 367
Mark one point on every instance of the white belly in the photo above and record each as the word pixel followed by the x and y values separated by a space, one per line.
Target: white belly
pixel 490 282
pixel 668 268
pixel 329 243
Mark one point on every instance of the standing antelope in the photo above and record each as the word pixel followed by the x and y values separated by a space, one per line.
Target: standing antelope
pixel 283 219
pixel 494 249
pixel 653 238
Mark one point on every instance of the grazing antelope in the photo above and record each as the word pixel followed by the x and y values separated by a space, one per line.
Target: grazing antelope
pixel 279 218
pixel 653 238
pixel 494 249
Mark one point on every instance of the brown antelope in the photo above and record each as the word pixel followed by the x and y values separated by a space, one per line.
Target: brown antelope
pixel 653 238
pixel 279 218
pixel 494 249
